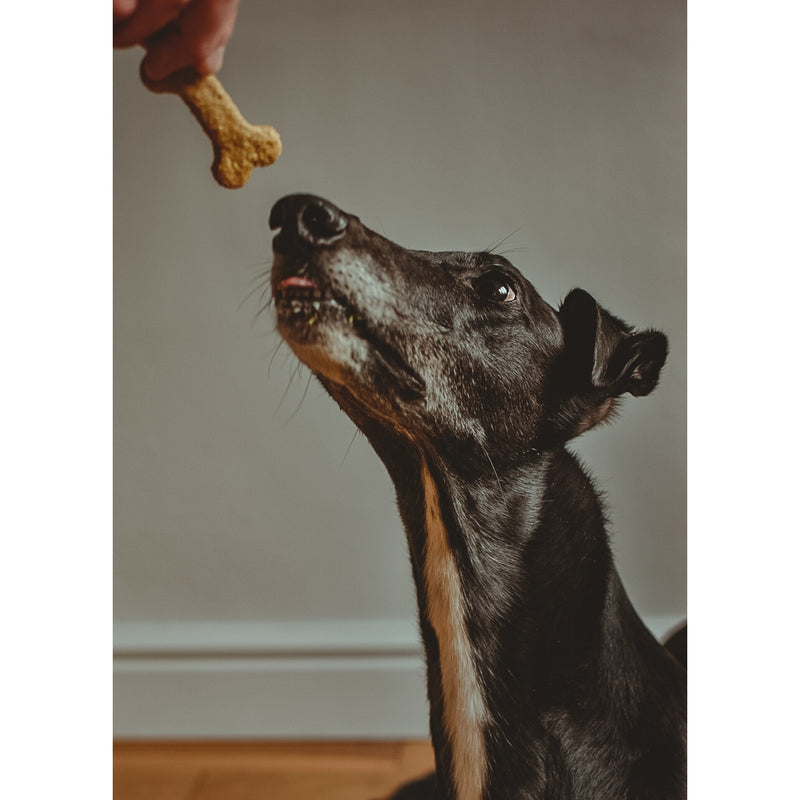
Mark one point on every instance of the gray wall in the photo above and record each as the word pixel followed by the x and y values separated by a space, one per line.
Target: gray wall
pixel 251 537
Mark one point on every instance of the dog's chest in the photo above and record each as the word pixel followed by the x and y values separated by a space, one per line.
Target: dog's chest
pixel 465 712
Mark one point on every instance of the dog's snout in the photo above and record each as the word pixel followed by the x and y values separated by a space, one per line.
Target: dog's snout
pixel 304 219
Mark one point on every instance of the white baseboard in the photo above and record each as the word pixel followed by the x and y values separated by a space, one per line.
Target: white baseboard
pixel 287 680
pixel 326 680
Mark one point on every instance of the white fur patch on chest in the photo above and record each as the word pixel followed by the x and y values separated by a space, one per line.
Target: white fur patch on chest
pixel 465 713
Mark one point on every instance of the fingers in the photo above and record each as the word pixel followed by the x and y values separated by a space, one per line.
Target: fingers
pixel 196 38
pixel 176 33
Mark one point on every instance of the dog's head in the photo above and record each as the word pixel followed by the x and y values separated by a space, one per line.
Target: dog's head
pixel 447 347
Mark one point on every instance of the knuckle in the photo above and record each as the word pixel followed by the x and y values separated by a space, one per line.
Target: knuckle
pixel 124 8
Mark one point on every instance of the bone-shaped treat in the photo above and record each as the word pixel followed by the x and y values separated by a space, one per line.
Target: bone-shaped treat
pixel 238 145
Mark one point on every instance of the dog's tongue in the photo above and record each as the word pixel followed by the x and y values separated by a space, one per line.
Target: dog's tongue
pixel 297 282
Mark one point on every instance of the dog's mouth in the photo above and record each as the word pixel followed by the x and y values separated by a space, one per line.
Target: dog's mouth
pixel 309 310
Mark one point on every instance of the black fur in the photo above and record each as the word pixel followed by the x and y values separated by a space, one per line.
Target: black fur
pixel 452 360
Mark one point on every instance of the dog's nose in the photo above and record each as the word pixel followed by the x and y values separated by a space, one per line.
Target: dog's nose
pixel 306 220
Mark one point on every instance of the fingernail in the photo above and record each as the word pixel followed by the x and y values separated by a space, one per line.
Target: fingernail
pixel 213 63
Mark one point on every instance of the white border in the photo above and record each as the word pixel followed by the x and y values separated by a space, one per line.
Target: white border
pixel 55 328
pixel 744 259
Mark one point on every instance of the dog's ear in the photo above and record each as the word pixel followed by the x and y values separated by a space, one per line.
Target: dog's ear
pixel 603 358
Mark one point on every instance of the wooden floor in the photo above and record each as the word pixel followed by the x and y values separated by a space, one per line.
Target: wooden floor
pixel 263 771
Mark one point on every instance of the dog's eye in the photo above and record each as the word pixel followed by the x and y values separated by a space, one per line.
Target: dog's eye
pixel 494 287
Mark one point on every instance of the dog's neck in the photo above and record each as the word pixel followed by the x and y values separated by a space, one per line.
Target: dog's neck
pixel 515 591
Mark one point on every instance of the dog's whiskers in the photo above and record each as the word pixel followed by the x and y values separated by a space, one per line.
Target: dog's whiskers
pixel 493 248
pixel 274 354
pixel 263 288
pixel 295 373
pixel 347 452
pixel 305 392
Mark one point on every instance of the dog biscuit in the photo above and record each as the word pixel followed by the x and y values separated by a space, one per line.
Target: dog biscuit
pixel 238 145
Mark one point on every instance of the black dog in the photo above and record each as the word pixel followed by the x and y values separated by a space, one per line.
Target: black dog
pixel 542 680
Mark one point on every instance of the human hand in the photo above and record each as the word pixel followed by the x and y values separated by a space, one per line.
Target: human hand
pixel 176 33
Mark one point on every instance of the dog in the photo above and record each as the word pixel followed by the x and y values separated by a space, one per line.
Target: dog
pixel 542 680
